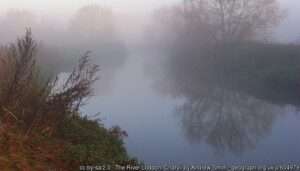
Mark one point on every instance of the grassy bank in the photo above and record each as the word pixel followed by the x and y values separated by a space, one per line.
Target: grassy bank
pixel 41 124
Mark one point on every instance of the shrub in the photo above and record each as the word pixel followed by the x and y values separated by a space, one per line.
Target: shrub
pixel 40 117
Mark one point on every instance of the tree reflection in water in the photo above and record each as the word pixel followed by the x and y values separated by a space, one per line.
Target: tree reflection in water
pixel 226 120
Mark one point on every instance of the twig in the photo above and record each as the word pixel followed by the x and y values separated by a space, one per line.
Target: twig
pixel 9 112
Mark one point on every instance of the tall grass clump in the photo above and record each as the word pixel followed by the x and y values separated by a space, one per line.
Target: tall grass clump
pixel 41 124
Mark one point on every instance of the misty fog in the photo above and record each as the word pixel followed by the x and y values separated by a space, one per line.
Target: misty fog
pixel 202 79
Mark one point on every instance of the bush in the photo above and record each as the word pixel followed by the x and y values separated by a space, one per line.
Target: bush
pixel 41 126
pixel 90 143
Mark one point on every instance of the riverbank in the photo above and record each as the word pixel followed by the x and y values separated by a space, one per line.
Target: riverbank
pixel 267 71
pixel 42 127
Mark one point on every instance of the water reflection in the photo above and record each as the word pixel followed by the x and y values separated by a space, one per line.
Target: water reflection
pixel 228 121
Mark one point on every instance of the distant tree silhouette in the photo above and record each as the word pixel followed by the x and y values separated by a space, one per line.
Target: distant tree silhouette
pixel 93 22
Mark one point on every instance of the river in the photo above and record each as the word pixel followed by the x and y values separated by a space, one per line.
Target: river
pixel 163 129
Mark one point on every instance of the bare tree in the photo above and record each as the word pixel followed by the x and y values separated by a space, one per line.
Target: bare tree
pixel 243 19
pixel 222 20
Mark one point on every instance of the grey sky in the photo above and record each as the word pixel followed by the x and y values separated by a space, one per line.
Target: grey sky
pixel 288 31
pixel 65 6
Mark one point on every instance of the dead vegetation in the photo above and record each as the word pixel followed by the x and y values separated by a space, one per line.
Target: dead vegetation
pixel 30 98
pixel 40 118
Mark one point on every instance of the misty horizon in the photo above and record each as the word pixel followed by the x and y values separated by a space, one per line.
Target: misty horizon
pixel 134 82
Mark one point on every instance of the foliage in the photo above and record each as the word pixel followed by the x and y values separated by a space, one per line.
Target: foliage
pixel 90 143
pixel 224 43
pixel 41 125
pixel 264 70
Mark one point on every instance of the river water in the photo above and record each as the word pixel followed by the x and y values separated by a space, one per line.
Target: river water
pixel 163 129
